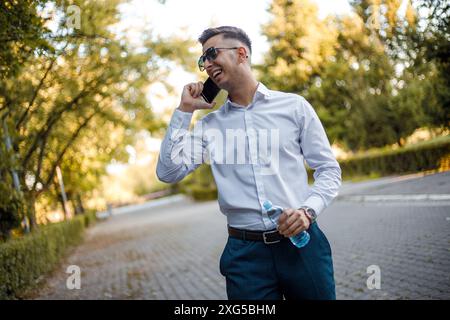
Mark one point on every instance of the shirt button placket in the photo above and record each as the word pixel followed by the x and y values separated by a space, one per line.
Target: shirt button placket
pixel 252 144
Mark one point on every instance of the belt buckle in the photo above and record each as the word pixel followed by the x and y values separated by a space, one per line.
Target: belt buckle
pixel 265 237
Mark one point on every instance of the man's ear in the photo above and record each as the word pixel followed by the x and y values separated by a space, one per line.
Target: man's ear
pixel 243 54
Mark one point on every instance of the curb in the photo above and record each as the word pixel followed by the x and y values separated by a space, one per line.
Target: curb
pixel 146 205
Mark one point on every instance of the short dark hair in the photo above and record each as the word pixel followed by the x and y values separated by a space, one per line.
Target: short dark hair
pixel 227 32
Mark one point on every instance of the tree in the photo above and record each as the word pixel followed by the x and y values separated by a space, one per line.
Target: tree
pixel 372 79
pixel 77 106
pixel 428 45
pixel 22 33
pixel 300 45
pixel 11 201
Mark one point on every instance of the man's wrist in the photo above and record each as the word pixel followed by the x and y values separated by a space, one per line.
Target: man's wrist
pixel 184 108
pixel 309 213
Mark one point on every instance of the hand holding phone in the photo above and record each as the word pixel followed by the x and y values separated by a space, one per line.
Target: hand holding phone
pixel 210 90
pixel 192 98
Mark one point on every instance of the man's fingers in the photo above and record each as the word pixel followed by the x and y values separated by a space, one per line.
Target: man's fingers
pixel 204 105
pixel 199 89
pixel 296 231
pixel 189 92
pixel 292 223
pixel 284 216
pixel 288 225
pixel 191 100
pixel 283 220
pixel 283 228
pixel 194 89
pixel 295 228
pixel 294 216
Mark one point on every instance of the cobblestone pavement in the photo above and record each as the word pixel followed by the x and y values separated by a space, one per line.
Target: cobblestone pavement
pixel 172 252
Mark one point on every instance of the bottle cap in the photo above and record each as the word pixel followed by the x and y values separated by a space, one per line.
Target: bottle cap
pixel 267 204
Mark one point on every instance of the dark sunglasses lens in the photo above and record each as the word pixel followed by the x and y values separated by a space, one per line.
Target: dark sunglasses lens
pixel 211 54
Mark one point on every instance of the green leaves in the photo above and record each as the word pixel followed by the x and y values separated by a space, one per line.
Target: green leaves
pixel 22 32
pixel 23 261
pixel 79 105
pixel 368 74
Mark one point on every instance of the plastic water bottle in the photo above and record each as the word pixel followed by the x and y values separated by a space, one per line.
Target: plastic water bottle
pixel 299 240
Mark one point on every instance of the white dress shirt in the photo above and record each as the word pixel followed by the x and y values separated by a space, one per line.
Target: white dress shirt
pixel 256 154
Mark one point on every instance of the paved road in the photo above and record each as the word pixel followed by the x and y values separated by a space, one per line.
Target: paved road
pixel 172 252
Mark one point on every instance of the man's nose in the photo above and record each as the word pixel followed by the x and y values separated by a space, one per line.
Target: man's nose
pixel 208 64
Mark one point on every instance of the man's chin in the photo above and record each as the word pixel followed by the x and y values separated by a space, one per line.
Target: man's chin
pixel 221 84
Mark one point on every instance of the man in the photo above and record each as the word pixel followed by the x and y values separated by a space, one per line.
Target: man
pixel 259 261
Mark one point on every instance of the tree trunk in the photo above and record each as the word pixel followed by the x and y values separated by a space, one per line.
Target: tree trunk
pixel 31 212
pixel 79 204
pixel 63 205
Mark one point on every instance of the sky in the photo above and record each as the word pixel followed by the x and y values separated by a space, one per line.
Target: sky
pixel 190 18
pixel 195 15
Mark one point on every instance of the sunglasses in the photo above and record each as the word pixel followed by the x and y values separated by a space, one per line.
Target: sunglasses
pixel 210 55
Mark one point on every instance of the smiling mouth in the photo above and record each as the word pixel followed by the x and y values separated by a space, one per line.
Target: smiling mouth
pixel 217 73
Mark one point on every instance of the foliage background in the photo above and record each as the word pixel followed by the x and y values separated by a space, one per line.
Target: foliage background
pixel 76 98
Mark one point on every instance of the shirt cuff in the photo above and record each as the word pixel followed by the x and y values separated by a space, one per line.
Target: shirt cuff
pixel 181 119
pixel 316 203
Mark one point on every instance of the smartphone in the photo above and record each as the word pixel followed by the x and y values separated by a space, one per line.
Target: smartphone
pixel 210 90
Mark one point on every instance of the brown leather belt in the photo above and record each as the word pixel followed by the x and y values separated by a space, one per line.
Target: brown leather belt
pixel 268 237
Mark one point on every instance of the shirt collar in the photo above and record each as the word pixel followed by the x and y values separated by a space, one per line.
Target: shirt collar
pixel 261 92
